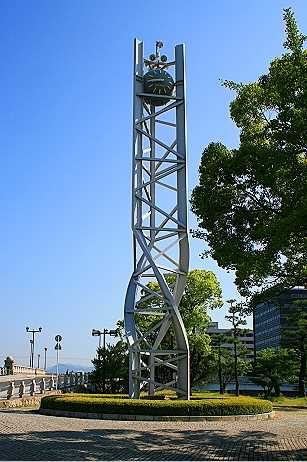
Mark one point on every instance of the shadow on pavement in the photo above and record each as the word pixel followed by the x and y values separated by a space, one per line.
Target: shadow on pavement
pixel 20 410
pixel 124 444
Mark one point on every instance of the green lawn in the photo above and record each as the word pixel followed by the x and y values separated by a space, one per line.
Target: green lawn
pixel 289 402
pixel 210 395
pixel 282 401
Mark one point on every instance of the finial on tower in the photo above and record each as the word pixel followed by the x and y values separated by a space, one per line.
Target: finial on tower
pixel 155 58
pixel 158 46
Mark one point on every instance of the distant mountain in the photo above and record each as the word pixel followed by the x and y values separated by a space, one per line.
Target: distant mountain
pixel 70 367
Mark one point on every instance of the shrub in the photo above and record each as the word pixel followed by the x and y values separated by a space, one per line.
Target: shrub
pixel 102 405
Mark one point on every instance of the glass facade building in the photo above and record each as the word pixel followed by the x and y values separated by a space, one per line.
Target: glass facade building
pixel 271 319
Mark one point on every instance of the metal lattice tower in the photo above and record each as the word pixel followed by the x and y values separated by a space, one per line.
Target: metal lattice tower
pixel 159 224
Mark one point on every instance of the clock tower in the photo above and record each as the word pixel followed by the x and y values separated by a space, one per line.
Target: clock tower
pixel 158 344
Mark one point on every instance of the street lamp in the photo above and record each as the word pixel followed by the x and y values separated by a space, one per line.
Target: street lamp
pixel 33 331
pixel 31 346
pixel 99 333
pixel 45 359
pixel 58 347
pixel 104 332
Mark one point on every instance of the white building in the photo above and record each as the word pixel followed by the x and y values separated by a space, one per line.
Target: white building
pixel 246 338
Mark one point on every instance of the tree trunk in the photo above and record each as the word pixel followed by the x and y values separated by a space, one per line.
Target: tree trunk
pixel 276 388
pixel 302 374
pixel 220 372
pixel 192 358
pixel 236 369
pixel 270 388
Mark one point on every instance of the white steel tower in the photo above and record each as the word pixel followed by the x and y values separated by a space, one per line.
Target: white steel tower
pixel 158 344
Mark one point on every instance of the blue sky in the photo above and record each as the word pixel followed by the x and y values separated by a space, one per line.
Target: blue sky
pixel 65 128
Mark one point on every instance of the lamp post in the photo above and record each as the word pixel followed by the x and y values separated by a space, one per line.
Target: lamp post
pixel 31 346
pixel 99 333
pixel 33 331
pixel 104 332
pixel 38 358
pixel 57 347
pixel 45 358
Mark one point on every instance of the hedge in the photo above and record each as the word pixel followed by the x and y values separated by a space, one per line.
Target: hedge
pixel 103 405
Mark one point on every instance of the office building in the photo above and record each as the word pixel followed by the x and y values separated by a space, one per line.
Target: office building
pixel 246 339
pixel 271 319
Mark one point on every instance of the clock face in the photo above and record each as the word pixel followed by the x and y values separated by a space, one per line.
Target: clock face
pixel 160 83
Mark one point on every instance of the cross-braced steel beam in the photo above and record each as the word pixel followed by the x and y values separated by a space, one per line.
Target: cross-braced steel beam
pixel 158 344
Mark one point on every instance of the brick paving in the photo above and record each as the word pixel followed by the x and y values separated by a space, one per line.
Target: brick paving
pixel 25 435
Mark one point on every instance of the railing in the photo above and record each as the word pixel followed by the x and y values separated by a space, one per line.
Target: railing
pixel 26 370
pixel 66 383
pixel 21 370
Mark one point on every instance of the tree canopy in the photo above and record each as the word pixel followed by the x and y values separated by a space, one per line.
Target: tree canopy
pixel 202 291
pixel 272 367
pixel 111 365
pixel 251 202
pixel 295 335
pixel 236 316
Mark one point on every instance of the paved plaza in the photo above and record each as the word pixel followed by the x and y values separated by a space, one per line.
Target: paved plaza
pixel 26 435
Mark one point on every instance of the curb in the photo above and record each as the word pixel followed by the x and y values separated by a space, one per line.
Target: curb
pixel 283 406
pixel 159 418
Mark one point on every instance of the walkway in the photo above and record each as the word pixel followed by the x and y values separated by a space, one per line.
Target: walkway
pixel 25 435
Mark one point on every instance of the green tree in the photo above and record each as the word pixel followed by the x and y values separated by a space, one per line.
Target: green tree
pixel 273 366
pixel 218 361
pixel 296 338
pixel 236 317
pixel 222 362
pixel 112 366
pixel 251 202
pixel 202 292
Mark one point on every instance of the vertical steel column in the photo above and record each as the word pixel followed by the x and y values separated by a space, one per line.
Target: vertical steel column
pixel 183 364
pixel 152 225
pixel 130 327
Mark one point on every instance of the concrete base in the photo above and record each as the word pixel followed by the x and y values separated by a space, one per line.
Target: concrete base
pixel 160 418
